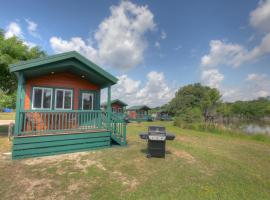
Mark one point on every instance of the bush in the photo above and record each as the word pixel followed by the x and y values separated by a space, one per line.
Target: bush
pixel 7 101
pixel 189 118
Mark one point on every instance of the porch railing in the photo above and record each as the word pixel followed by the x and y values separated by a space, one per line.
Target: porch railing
pixel 41 122
pixel 118 125
pixel 143 117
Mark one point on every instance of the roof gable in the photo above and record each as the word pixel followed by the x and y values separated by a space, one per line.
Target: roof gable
pixel 139 107
pixel 115 101
pixel 65 60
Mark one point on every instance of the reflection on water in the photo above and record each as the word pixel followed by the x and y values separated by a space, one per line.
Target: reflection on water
pixel 256 128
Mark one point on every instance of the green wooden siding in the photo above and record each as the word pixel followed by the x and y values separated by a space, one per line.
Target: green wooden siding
pixel 25 147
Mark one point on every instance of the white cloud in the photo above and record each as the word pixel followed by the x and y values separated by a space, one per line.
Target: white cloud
pixel 76 43
pixel 255 77
pixel 255 86
pixel 222 53
pixel 13 29
pixel 155 92
pixel 260 17
pixel 163 35
pixel 119 40
pixel 127 85
pixel 227 54
pixel 32 28
pixel 212 77
pixel 262 49
pixel 29 44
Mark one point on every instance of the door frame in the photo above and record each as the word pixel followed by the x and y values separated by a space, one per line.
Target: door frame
pixel 81 95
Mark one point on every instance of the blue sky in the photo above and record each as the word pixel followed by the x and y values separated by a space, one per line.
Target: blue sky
pixel 155 47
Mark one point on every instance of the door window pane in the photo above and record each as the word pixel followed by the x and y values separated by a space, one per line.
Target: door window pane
pixel 87 101
pixel 37 98
pixel 68 97
pixel 59 98
pixel 47 97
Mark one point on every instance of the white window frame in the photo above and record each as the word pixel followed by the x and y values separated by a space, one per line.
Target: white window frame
pixel 92 99
pixel 63 103
pixel 120 110
pixel 42 95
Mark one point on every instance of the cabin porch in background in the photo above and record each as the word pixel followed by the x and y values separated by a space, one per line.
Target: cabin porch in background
pixel 139 113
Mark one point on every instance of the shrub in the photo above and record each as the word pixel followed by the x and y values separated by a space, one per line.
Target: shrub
pixel 7 101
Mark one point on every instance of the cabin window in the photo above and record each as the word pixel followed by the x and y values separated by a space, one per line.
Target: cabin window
pixel 119 110
pixel 42 98
pixel 87 101
pixel 63 99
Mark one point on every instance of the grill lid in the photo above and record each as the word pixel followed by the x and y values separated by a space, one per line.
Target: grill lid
pixel 156 130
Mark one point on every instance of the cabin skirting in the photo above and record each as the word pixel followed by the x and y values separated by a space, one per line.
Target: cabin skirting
pixel 35 146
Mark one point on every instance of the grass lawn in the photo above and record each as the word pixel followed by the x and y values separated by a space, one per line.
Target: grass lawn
pixel 197 166
pixel 7 116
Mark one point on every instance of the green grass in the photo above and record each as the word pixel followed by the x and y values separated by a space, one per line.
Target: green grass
pixel 7 116
pixel 198 165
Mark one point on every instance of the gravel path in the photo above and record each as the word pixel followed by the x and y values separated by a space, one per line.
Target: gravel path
pixel 6 122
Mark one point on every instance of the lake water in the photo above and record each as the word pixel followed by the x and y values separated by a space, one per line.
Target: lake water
pixel 255 128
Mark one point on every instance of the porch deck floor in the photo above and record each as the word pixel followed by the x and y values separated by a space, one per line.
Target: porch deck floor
pixel 62 132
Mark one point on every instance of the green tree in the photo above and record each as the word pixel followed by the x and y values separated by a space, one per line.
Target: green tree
pixel 191 98
pixel 12 50
pixel 7 101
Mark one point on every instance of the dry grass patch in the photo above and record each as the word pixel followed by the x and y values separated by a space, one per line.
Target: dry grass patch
pixel 130 183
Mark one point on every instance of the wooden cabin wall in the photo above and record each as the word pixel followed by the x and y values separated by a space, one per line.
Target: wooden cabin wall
pixel 59 80
pixel 132 114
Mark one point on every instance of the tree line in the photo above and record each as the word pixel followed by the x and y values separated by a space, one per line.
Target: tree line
pixel 197 103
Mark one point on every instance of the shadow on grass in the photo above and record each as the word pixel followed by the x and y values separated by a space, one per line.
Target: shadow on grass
pixel 144 151
pixel 4 130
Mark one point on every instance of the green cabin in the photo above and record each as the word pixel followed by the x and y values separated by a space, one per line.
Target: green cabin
pixel 139 113
pixel 117 106
pixel 58 107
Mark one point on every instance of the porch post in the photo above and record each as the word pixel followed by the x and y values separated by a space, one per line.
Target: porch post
pixel 18 103
pixel 108 107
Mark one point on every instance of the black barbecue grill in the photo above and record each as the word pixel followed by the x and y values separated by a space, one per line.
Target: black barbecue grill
pixel 156 138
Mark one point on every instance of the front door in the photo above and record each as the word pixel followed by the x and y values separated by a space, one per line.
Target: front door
pixel 86 103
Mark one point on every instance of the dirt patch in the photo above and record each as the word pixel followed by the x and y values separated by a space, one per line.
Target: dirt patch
pixel 131 183
pixel 54 159
pixel 182 154
pixel 185 139
pixel 5 144
pixel 77 161
pixel 34 186
pixel 84 164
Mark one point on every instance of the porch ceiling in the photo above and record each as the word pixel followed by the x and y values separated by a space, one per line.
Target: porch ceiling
pixel 67 62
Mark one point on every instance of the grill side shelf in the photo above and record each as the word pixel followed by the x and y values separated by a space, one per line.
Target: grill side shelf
pixel 144 136
pixel 170 136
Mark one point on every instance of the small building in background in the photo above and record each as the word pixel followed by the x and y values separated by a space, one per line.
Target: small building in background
pixel 162 115
pixel 117 106
pixel 139 113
